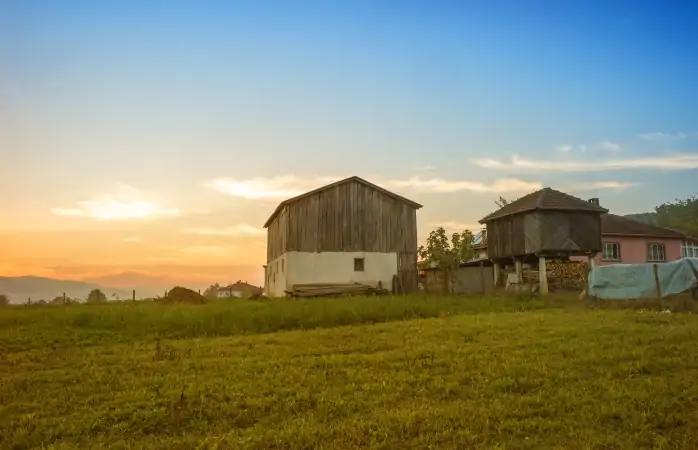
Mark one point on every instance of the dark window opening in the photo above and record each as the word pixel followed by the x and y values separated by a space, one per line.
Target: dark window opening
pixel 358 264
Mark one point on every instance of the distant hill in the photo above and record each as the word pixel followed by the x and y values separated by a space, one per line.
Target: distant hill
pixel 648 217
pixel 19 289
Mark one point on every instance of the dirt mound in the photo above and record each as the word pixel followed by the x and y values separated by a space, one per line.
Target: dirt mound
pixel 179 294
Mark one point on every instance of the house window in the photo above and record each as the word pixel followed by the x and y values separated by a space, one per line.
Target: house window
pixel 358 264
pixel 611 251
pixel 656 252
pixel 689 249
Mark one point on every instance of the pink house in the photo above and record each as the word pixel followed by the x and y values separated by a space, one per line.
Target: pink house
pixel 627 241
pixel 630 241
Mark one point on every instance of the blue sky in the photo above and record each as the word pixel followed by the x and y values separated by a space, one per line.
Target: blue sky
pixel 190 106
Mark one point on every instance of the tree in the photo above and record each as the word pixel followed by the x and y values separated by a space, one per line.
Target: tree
pixel 502 202
pixel 4 300
pixel 679 214
pixel 211 292
pixel 96 296
pixel 443 253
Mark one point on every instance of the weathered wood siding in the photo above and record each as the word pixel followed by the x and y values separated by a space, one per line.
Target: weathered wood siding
pixel 506 237
pixel 277 236
pixel 349 217
pixel 546 232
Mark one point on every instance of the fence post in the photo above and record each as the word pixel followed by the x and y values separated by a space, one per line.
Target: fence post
pixel 658 287
pixel 134 295
pixel 482 278
pixel 64 298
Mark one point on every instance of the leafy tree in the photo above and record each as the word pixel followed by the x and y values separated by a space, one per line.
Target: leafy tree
pixel 96 296
pixel 445 254
pixel 4 300
pixel 679 214
pixel 211 292
pixel 502 202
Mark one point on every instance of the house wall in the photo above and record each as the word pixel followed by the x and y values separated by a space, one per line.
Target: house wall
pixel 338 267
pixel 329 267
pixel 633 249
pixel 347 218
pixel 277 275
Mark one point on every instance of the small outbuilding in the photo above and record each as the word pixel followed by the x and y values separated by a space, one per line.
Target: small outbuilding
pixel 543 224
pixel 350 231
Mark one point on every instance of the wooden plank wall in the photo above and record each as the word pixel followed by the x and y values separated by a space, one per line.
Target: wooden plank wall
pixel 350 217
pixel 277 236
pixel 505 237
pixel 547 231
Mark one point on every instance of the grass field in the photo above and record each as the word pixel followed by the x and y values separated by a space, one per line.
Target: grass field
pixel 410 372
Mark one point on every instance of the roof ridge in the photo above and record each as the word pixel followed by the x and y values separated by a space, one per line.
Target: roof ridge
pixel 338 183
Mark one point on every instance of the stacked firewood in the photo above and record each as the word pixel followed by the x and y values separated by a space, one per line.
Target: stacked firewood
pixel 569 275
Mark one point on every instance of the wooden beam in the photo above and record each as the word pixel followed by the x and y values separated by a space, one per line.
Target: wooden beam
pixel 542 275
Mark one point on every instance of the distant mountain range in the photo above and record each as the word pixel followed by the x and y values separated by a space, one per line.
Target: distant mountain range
pixel 20 289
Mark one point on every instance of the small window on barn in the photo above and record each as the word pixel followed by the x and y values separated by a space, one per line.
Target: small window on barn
pixel 358 264
pixel 282 266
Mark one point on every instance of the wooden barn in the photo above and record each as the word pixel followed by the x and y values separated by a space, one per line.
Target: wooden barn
pixel 544 224
pixel 350 231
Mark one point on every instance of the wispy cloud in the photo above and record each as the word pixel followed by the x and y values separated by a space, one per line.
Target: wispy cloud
pixel 568 148
pixel 663 137
pixel 289 186
pixel 242 229
pixel 455 227
pixel 133 240
pixel 609 146
pixel 276 188
pixel 424 168
pixel 685 161
pixel 594 185
pixel 439 185
pixel 126 204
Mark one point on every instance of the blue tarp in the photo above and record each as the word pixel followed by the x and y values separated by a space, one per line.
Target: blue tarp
pixel 633 281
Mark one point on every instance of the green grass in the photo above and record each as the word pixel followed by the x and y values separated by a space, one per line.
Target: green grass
pixel 24 327
pixel 489 373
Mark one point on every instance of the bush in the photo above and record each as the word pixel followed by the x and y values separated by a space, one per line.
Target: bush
pixel 179 294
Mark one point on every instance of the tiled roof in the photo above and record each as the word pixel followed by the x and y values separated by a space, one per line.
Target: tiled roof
pixel 337 183
pixel 544 199
pixel 612 224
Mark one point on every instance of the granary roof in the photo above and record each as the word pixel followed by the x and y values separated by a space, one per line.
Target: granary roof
pixel 612 224
pixel 544 199
pixel 337 183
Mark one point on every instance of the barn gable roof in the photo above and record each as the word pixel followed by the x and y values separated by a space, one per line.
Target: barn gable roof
pixel 612 224
pixel 395 196
pixel 544 199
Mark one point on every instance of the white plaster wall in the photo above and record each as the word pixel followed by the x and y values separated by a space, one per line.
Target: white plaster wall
pixel 338 267
pixel 277 270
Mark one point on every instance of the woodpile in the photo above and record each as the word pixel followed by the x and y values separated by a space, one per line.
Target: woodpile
pixel 569 275
pixel 334 289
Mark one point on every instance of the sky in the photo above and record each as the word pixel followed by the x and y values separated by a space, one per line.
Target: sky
pixel 147 142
